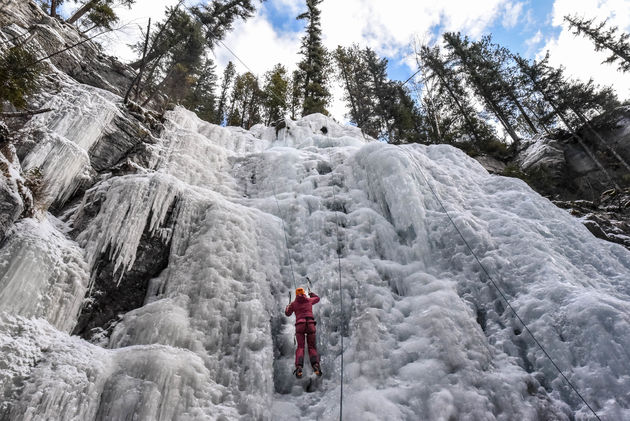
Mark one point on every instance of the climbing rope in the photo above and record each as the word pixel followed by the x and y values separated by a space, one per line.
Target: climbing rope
pixel 286 239
pixel 426 180
pixel 341 303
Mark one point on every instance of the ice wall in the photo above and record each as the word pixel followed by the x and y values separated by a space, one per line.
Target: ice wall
pixel 425 331
pixel 42 274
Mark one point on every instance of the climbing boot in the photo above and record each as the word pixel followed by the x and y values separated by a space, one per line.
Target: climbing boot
pixel 298 372
pixel 317 370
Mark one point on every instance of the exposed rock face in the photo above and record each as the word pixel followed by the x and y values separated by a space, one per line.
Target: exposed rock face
pixel 491 164
pixel 115 294
pixel 570 173
pixel 562 170
pixel 609 219
pixel 85 62
pixel 89 137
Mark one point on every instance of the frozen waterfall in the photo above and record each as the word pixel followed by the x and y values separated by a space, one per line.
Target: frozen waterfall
pixel 428 336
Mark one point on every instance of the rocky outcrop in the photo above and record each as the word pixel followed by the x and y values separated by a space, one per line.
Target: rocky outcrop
pixel 83 60
pixel 608 219
pixel 562 170
pixel 88 137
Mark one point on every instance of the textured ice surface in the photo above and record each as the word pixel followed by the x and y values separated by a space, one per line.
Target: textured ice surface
pixel 426 334
pixel 42 274
pixel 65 135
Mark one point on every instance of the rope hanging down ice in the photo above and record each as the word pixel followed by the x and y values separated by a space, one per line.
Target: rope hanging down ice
pixel 341 330
pixel 496 286
pixel 286 239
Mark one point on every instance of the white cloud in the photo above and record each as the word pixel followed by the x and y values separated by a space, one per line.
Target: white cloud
pixel 512 14
pixel 390 26
pixel 535 40
pixel 133 21
pixel 577 54
pixel 260 46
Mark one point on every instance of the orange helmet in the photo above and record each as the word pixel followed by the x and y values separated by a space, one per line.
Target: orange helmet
pixel 300 291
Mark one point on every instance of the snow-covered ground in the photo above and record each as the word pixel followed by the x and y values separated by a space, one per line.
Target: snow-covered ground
pixel 426 334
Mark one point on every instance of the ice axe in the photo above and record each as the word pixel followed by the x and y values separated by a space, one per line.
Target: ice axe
pixel 308 280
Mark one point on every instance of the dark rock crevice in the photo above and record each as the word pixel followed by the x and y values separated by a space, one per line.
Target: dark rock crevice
pixel 114 293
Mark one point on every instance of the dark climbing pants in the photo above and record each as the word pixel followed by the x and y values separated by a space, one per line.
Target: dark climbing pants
pixel 306 329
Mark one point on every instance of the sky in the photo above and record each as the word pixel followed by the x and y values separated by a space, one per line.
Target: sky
pixel 392 27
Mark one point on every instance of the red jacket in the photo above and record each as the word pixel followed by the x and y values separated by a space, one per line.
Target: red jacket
pixel 302 307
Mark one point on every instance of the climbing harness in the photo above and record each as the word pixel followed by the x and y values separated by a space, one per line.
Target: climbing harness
pixel 286 240
pixel 496 286
pixel 341 330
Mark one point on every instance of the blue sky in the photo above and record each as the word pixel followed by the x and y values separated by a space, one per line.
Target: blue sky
pixel 529 27
pixel 536 17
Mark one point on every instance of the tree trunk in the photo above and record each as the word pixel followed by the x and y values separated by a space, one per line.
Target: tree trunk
pixel 155 54
pixel 138 80
pixel 575 135
pixel 82 11
pixel 523 113
pixel 469 123
pixel 601 139
pixel 53 8
pixel 159 86
pixel 26 113
pixel 494 107
pixel 89 29
pixel 346 79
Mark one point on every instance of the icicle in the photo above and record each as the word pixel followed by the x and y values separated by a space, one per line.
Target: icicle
pixel 132 204
pixel 64 137
pixel 42 274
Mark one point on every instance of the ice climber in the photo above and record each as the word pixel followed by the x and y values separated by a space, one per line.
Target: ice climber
pixel 305 323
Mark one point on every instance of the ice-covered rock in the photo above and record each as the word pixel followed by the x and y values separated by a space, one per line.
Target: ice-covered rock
pixel 11 184
pixel 207 233
pixel 425 330
pixel 42 274
pixel 541 152
pixel 84 62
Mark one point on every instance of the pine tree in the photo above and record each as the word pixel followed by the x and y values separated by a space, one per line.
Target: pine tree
pixel 247 98
pixel 18 77
pixel 101 16
pixel 381 92
pixel 501 74
pixel 181 45
pixel 356 82
pixel 314 64
pixel 90 5
pixel 344 64
pixel 461 120
pixel 407 122
pixel 218 17
pixel 296 94
pixel 202 99
pixel 430 105
pixel 275 92
pixel 228 77
pixel 470 57
pixel 51 6
pixel 603 39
